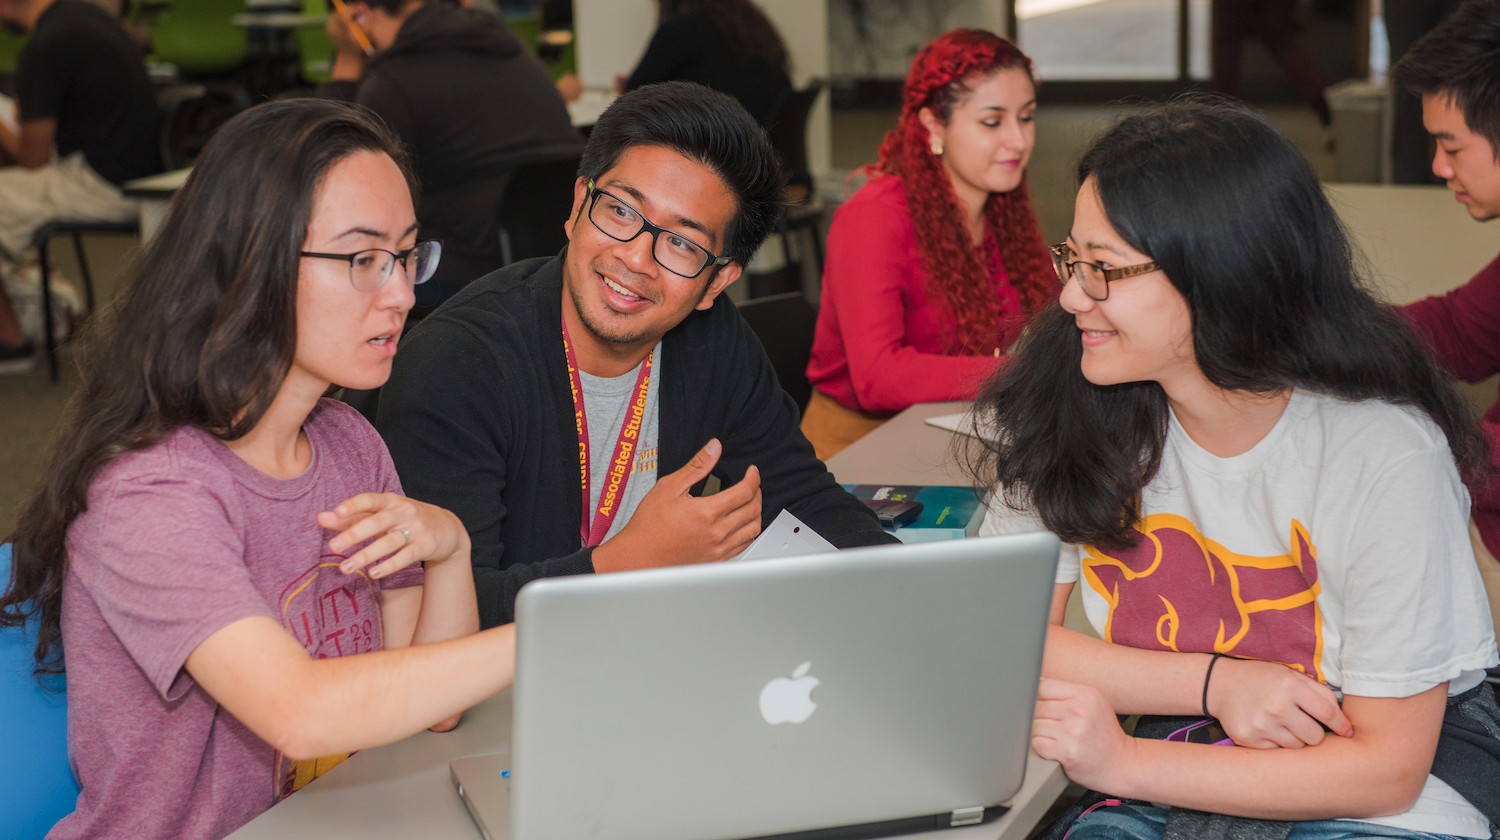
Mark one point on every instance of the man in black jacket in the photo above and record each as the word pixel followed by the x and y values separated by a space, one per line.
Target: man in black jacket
pixel 470 101
pixel 558 386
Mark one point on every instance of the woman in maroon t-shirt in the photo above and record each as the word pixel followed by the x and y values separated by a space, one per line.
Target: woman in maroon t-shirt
pixel 934 265
pixel 243 594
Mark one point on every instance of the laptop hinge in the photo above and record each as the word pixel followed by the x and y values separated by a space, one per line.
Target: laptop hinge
pixel 967 816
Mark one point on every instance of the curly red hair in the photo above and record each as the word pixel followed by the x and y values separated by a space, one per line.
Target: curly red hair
pixel 958 273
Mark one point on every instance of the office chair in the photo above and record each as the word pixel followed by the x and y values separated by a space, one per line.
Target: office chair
pixel 785 324
pixel 198 37
pixel 536 202
pixel 191 113
pixel 40 788
pixel 787 128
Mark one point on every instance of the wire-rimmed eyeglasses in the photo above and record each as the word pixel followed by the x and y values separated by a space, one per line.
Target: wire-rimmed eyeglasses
pixel 672 251
pixel 370 268
pixel 1093 278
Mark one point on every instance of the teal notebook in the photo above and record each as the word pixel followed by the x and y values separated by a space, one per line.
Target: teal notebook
pixel 948 513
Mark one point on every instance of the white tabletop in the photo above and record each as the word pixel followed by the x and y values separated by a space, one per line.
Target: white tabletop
pixel 278 20
pixel 905 450
pixel 158 186
pixel 586 109
pixel 403 790
pixel 1417 240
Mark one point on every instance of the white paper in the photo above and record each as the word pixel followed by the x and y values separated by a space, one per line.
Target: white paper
pixel 961 423
pixel 786 537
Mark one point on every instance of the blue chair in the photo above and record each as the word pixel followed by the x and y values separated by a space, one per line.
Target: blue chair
pixel 39 789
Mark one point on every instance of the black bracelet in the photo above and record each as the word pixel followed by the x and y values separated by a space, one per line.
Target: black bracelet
pixel 1206 677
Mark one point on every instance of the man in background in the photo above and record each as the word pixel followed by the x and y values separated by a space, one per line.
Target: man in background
pixel 469 99
pixel 81 88
pixel 1455 70
pixel 1274 22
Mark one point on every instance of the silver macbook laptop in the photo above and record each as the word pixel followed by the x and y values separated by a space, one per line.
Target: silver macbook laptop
pixel 861 693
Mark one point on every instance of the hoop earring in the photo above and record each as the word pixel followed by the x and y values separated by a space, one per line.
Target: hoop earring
pixel 936 146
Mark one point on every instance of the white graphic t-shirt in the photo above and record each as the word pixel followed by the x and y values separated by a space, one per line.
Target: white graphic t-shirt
pixel 1337 545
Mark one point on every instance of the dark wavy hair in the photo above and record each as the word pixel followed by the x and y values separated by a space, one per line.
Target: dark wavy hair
pixel 1236 219
pixel 745 28
pixel 203 332
pixel 958 274
pixel 709 127
pixel 1460 59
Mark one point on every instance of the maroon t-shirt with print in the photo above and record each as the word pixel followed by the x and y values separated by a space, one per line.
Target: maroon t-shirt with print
pixel 180 540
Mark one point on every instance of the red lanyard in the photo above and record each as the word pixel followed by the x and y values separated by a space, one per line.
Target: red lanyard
pixel 624 457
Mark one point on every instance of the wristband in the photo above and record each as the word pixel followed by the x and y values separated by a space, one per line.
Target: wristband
pixel 1206 677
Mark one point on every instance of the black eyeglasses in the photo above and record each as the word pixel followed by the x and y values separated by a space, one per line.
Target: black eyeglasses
pixel 672 251
pixel 369 269
pixel 1093 278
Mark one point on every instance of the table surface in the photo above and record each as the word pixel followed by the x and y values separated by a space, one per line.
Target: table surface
pixel 905 450
pixel 586 109
pixel 404 790
pixel 277 20
pixel 157 186
pixel 1417 240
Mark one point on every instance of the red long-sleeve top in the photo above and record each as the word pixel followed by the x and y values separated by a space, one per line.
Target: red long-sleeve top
pixel 1463 326
pixel 882 343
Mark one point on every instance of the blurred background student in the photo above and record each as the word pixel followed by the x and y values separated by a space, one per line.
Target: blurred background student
pixel 82 90
pixel 470 100
pixel 934 264
pixel 1274 22
pixel 728 45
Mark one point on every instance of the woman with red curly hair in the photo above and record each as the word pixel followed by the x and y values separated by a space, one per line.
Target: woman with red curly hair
pixel 934 264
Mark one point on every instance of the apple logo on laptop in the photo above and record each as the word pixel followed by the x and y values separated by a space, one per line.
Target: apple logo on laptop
pixel 789 700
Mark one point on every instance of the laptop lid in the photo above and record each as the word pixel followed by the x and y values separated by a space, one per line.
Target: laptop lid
pixel 891 687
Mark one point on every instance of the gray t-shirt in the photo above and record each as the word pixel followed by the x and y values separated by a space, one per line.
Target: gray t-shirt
pixel 605 401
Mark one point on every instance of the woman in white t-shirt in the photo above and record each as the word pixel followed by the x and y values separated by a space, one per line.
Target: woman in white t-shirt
pixel 1256 472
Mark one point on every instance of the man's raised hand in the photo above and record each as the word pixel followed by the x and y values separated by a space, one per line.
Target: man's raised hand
pixel 672 527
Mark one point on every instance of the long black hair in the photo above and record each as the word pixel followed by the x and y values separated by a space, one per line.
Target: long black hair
pixel 202 333
pixel 1237 220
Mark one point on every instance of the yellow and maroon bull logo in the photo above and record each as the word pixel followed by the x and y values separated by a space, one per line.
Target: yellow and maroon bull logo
pixel 1175 589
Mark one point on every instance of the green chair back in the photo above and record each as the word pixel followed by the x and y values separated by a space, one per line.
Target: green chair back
pixel 529 29
pixel 316 49
pixel 10 49
pixel 198 37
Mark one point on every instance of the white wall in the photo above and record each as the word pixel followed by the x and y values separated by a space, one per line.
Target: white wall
pixel 612 35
